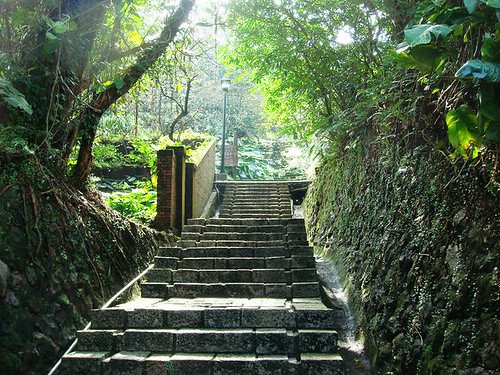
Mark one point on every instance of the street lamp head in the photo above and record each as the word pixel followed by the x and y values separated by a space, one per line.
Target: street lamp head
pixel 225 82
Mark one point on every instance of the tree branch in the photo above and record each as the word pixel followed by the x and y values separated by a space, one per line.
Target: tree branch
pixel 90 117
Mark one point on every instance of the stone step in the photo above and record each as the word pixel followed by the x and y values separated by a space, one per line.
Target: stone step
pixel 141 362
pixel 239 252
pixel 266 211
pixel 254 216
pixel 294 262
pixel 230 290
pixel 209 340
pixel 256 202
pixel 234 236
pixel 251 204
pixel 231 276
pixel 234 263
pixel 167 275
pixel 238 294
pixel 239 197
pixel 257 190
pixel 244 228
pixel 256 197
pixel 166 314
pixel 249 222
pixel 229 243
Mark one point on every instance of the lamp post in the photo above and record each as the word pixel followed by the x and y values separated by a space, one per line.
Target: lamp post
pixel 225 82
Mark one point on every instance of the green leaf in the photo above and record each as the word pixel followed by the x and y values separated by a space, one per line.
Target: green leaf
pixel 13 97
pixel 50 46
pixel 50 36
pixel 72 26
pixel 480 69
pixel 21 17
pixel 135 37
pixel 426 58
pixel 490 50
pixel 492 3
pixel 490 105
pixel 60 27
pixel 471 5
pixel 119 83
pixel 422 34
pixel 462 131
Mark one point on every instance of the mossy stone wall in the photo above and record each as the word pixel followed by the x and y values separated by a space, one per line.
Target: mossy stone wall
pixel 62 253
pixel 417 242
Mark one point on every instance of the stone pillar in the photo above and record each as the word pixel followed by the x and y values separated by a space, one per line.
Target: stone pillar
pixel 180 187
pixel 190 171
pixel 166 201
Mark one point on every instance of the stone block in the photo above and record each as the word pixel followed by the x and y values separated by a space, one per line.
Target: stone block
pixel 302 251
pixel 159 275
pixel 272 341
pixel 197 221
pixel 317 341
pixel 185 276
pixel 222 318
pixel 220 263
pixel 183 364
pixel 170 252
pixel 278 291
pixel 324 364
pixel 196 263
pixel 165 262
pixel 323 319
pixel 96 340
pixel 275 365
pixel 215 341
pixel 154 340
pixel 304 275
pixel 185 318
pixel 267 318
pixel 125 363
pixel 274 262
pixel 303 262
pixel 154 290
pixel 265 252
pixel 306 290
pixel 82 363
pixel 246 263
pixel 145 318
pixel 231 364
pixel 108 318
pixel 268 276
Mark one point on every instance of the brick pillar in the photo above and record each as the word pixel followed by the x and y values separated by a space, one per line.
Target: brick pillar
pixel 166 201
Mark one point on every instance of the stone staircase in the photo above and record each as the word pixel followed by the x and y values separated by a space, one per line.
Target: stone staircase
pixel 239 294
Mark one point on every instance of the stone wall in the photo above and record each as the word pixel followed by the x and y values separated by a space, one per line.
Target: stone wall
pixel 203 180
pixel 61 255
pixel 417 241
